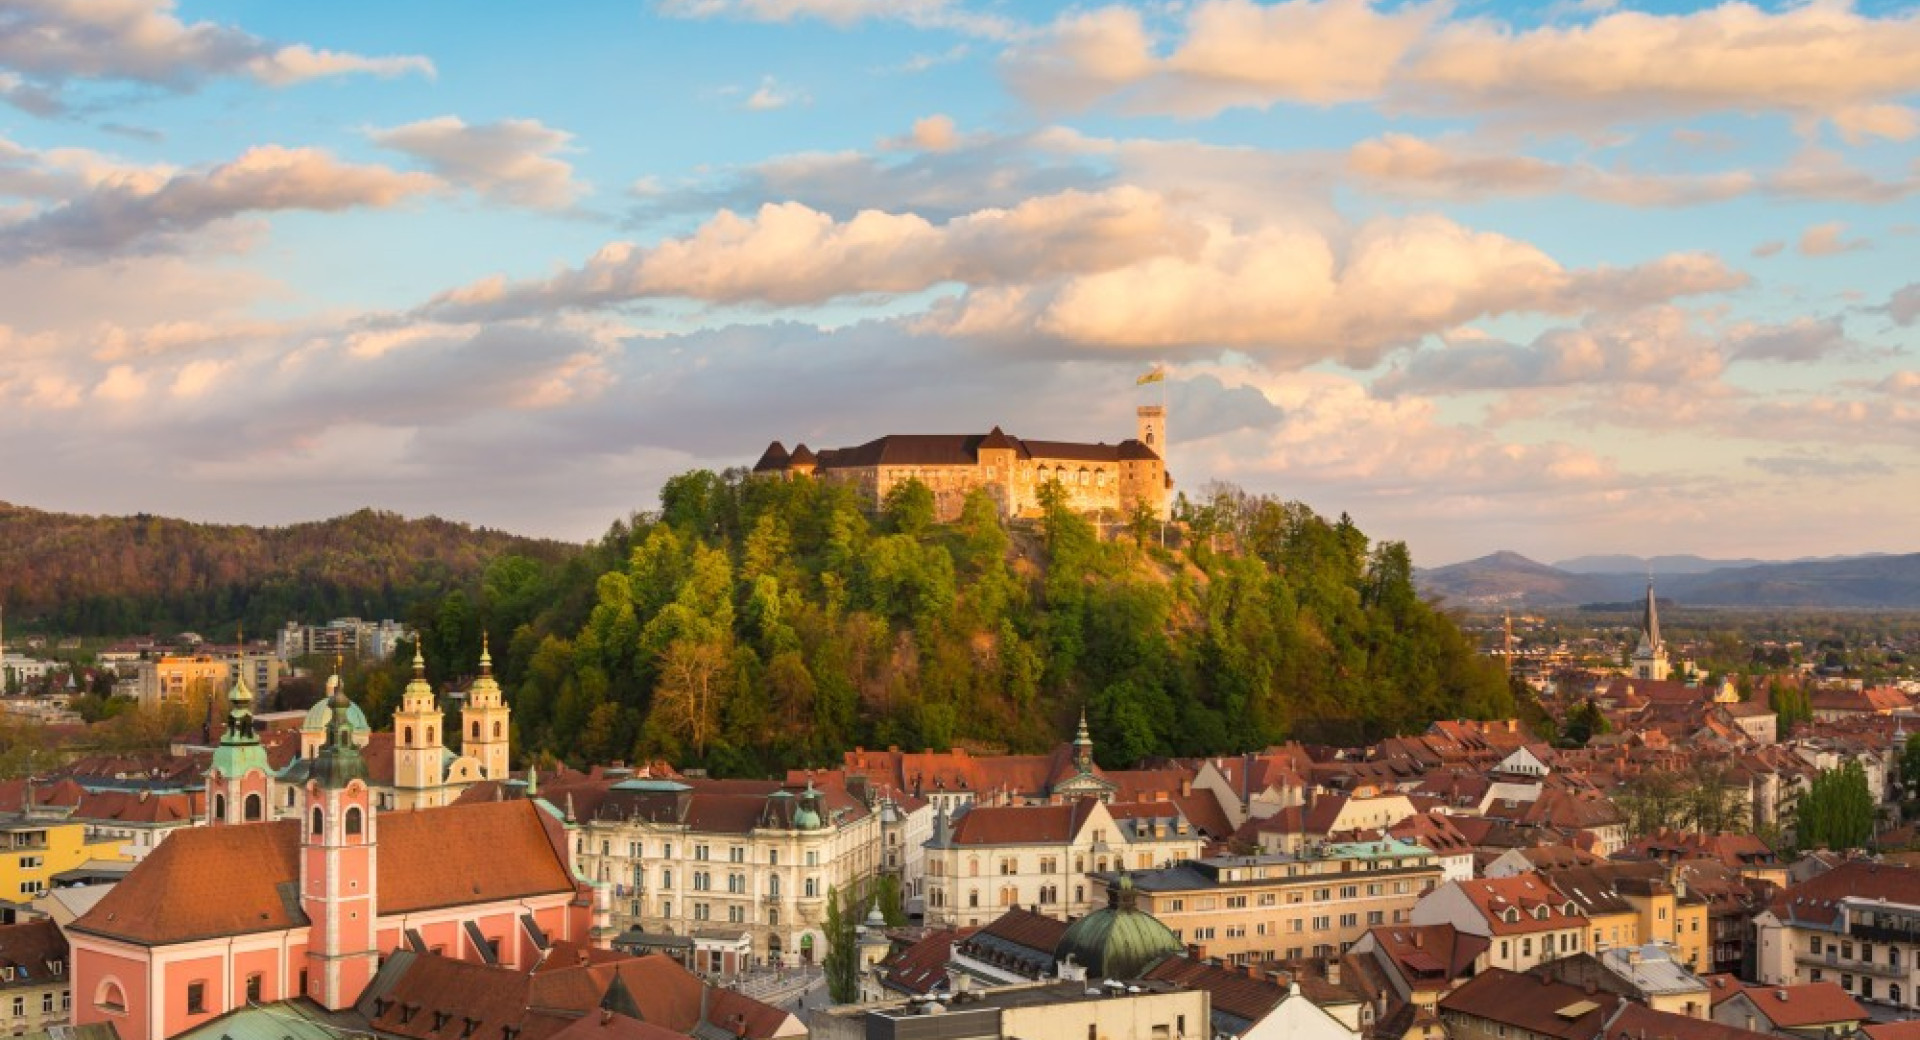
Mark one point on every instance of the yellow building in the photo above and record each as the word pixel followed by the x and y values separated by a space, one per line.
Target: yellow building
pixel 1628 904
pixel 33 848
pixel 177 679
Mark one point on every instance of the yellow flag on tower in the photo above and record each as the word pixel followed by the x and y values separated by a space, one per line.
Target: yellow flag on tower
pixel 1158 374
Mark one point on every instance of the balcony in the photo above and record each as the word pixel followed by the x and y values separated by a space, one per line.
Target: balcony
pixel 1876 933
pixel 1830 960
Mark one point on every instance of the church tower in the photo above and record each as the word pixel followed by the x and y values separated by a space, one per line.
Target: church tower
pixel 419 759
pixel 485 720
pixel 238 784
pixel 338 874
pixel 1650 656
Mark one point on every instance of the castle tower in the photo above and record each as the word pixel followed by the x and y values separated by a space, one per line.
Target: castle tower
pixel 238 784
pixel 1151 428
pixel 419 759
pixel 338 874
pixel 485 718
pixel 1650 656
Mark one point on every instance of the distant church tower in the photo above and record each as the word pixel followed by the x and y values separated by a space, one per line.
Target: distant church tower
pixel 1650 657
pixel 337 867
pixel 485 719
pixel 238 784
pixel 419 759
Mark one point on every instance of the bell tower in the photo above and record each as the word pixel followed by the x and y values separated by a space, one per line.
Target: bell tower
pixel 338 873
pixel 237 785
pixel 1151 423
pixel 485 719
pixel 418 756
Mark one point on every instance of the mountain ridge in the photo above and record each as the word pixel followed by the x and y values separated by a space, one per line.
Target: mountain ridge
pixel 1506 578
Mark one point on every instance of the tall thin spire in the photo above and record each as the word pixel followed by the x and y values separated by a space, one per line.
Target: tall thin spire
pixel 1650 618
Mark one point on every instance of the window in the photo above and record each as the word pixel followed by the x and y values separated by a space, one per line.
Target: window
pixel 699 852
pixel 476 729
pixel 773 857
pixel 219 809
pixel 46 1003
pixel 737 854
pixel 319 822
pixel 253 987
pixel 353 820
pixel 666 878
pixel 813 889
pixel 110 997
pixel 773 885
pixel 1349 920
pixel 1349 891
pixel 196 998
pixel 19 1007
pixel 254 808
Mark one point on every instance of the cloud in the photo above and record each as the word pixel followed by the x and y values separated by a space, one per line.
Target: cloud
pixel 1801 340
pixel 1806 465
pixel 789 254
pixel 1825 240
pixel 511 161
pixel 935 133
pixel 1904 305
pixel 148 209
pixel 1769 248
pixel 770 96
pixel 1824 61
pixel 926 14
pixel 1656 346
pixel 1408 165
pixel 47 44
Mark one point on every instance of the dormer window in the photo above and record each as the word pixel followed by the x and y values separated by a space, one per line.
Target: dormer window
pixel 1540 914
pixel 1512 916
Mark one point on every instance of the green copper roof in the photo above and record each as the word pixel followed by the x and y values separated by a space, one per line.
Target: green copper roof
pixel 1120 941
pixel 318 717
pixel 338 760
pixel 239 751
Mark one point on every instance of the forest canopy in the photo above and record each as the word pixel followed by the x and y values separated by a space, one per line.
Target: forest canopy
pixel 752 625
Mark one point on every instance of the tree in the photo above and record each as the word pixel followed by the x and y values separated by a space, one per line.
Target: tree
pixel 1837 810
pixel 843 948
pixel 886 895
pixel 1585 722
pixel 910 507
pixel 694 681
pixel 1910 767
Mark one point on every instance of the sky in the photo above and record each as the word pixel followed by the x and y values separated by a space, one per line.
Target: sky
pixel 1559 278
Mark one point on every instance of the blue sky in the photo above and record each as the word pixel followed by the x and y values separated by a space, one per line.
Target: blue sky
pixel 1568 278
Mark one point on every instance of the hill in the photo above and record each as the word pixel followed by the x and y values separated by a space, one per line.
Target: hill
pixel 1641 566
pixel 750 626
pixel 99 575
pixel 1509 579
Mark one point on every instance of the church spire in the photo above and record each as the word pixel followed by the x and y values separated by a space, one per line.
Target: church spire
pixel 1650 656
pixel 1650 618
pixel 1083 746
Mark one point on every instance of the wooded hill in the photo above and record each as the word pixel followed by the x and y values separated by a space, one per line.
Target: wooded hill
pixel 754 625
pixel 115 575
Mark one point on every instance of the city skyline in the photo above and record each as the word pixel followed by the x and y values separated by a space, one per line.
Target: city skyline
pixel 1568 279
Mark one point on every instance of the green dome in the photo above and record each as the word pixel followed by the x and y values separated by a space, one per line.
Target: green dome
pixel 319 716
pixel 1119 942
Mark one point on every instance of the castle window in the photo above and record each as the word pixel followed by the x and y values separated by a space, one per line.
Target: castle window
pixel 253 808
pixel 219 806
pixel 406 736
pixel 430 735
pixel 476 729
pixel 496 731
pixel 353 820
pixel 319 822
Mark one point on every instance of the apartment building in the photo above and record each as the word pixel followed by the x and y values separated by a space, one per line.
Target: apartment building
pixel 1857 924
pixel 1527 922
pixel 993 858
pixel 744 856
pixel 1246 909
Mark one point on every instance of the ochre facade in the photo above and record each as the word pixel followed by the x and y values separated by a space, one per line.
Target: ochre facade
pixel 1113 479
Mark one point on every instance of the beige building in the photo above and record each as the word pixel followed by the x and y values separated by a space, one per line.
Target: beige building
pixel 34 989
pixel 1525 920
pixel 1244 909
pixel 1857 924
pixel 176 679
pixel 993 858
pixel 1097 478
pixel 737 856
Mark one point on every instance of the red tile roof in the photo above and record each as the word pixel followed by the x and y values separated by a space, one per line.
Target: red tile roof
pixel 1537 907
pixel 211 881
pixel 1022 824
pixel 1537 1004
pixel 1638 1022
pixel 1806 1004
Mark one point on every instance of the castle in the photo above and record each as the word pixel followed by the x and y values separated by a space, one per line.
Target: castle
pixel 1097 478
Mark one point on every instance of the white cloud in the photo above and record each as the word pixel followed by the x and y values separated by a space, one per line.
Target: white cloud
pixel 770 96
pixel 1826 240
pixel 511 161
pixel 48 44
pixel 1409 165
pixel 1823 60
pixel 146 208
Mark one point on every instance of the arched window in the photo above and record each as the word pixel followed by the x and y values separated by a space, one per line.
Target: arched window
pixel 476 729
pixel 353 819
pixel 319 822
pixel 431 737
pixel 253 808
pixel 406 736
pixel 109 997
pixel 219 806
pixel 496 730
pixel 1893 993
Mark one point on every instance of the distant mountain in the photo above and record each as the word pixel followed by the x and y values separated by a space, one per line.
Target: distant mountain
pixel 125 574
pixel 1509 579
pixel 1641 565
